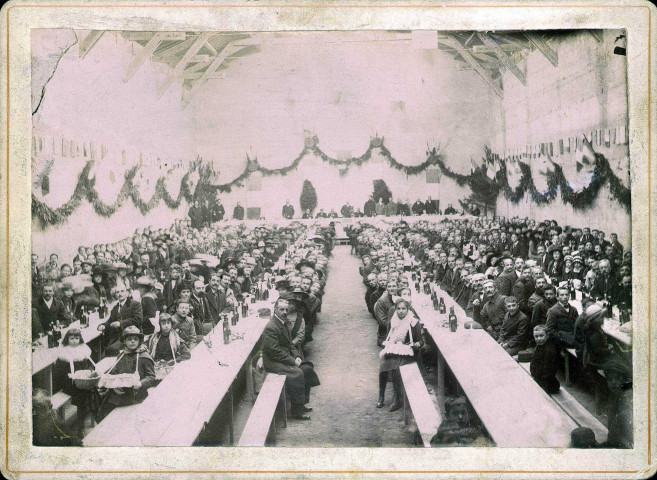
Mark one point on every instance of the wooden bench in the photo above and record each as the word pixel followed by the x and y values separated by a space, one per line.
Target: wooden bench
pixel 580 415
pixel 59 401
pixel 427 418
pixel 258 426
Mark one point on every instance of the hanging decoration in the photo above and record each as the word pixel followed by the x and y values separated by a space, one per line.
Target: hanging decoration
pixel 487 180
pixel 85 189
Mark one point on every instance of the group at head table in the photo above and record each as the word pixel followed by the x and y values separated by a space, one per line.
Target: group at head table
pixel 521 281
pixel 157 294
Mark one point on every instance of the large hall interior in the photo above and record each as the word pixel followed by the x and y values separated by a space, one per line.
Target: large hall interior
pixel 367 238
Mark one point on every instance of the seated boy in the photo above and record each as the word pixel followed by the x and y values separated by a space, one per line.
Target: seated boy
pixel 545 361
pixel 514 327
pixel 456 430
pixel 166 344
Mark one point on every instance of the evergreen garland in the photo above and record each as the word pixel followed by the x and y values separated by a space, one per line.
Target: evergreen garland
pixel 478 181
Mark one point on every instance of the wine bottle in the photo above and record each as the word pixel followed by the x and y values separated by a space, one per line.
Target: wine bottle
pixel 453 322
pixel 226 330
pixel 441 306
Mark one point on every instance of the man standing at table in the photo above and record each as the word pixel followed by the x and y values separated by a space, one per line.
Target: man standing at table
pixel 127 312
pixel 238 212
pixel 288 210
pixel 281 356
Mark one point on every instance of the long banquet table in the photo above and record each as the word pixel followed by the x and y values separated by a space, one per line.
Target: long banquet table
pixel 175 411
pixel 512 406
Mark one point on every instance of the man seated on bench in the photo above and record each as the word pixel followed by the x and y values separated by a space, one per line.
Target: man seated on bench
pixel 281 356
pixel 514 328
pixel 456 430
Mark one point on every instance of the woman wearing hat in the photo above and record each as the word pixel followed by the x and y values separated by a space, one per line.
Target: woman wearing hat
pixel 555 265
pixel 134 358
pixel 149 305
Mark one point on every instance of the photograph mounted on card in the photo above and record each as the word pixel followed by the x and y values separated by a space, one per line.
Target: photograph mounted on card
pixel 257 228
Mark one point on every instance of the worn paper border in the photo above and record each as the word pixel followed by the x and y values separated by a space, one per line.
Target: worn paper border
pixel 20 459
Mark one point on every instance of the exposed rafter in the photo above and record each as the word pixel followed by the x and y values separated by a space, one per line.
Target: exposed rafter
pixel 465 54
pixel 597 34
pixel 503 57
pixel 545 49
pixel 89 41
pixel 184 61
pixel 153 42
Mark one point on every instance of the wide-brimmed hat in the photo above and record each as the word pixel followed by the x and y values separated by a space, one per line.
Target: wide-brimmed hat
pixel 554 248
pixel 132 330
pixel 122 266
pixel 146 281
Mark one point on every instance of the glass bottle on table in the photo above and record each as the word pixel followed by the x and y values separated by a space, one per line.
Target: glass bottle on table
pixel 453 322
pixel 226 326
pixel 441 306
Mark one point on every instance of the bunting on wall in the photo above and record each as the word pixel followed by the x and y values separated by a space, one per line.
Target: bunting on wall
pixel 489 178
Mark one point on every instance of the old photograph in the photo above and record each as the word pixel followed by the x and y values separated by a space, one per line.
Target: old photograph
pixel 408 238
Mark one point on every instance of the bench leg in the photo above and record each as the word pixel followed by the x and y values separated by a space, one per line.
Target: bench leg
pixel 440 382
pixel 283 407
pixel 567 369
pixel 250 387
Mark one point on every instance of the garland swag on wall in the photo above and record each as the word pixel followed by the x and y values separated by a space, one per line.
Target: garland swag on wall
pixel 85 188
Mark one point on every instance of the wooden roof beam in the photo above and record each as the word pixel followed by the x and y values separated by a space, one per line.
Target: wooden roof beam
pixel 89 41
pixel 477 67
pixel 147 51
pixel 180 66
pixel 503 57
pixel 545 49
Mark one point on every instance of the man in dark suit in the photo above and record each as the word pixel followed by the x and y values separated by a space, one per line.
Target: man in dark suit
pixel 125 313
pixel 523 289
pixel 605 285
pixel 48 308
pixel 216 298
pixel 561 319
pixel 507 279
pixel 238 212
pixel 288 210
pixel 282 357
pixel 172 286
pixel 218 211
pixel 200 309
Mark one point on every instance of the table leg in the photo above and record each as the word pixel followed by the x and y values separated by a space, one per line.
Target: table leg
pixel 440 382
pixel 231 433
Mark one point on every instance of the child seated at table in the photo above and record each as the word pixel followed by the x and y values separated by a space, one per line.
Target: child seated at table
pixel 75 355
pixel 134 358
pixel 456 430
pixel 166 344
pixel 545 361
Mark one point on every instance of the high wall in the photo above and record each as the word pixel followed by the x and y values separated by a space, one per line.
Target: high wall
pixel 345 93
pixel 587 91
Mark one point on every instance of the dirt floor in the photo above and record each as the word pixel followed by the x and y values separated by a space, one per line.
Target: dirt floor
pixel 345 355
pixel 346 359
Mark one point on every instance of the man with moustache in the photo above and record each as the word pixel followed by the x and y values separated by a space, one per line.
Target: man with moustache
pixel 507 279
pixel 523 289
pixel 493 310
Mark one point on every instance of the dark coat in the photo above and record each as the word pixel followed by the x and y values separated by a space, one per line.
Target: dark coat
pixel 217 213
pixel 279 354
pixel 514 330
pixel 216 303
pixel 170 293
pixel 128 364
pixel 544 367
pixel 382 309
pixel 238 212
pixel 288 211
pixel 522 290
pixel 560 324
pixel 130 314
pixel 493 312
pixel 505 283
pixel 49 316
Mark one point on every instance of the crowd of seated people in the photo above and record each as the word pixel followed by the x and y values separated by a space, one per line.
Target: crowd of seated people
pixel 515 278
pixel 167 288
